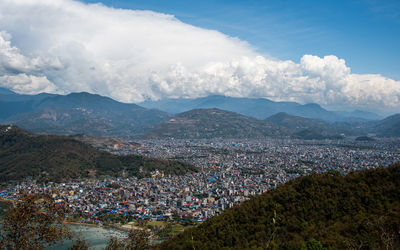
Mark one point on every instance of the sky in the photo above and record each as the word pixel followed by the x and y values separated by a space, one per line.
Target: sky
pixel 365 33
pixel 340 54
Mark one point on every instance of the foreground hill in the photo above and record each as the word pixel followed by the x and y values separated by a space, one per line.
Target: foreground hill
pixel 358 211
pixel 213 123
pixel 78 113
pixel 260 108
pixel 57 158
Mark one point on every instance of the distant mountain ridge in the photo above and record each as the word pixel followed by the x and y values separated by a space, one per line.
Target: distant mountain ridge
pixel 390 126
pixel 307 128
pixel 95 115
pixel 78 113
pixel 260 108
pixel 12 103
pixel 4 91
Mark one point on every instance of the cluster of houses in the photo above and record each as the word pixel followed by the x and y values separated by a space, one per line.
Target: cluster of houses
pixel 230 172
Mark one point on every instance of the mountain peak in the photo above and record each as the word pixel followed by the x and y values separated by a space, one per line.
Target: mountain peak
pixel 313 105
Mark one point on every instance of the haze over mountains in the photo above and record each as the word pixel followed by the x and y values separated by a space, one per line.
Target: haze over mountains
pixel 208 117
pixel 260 108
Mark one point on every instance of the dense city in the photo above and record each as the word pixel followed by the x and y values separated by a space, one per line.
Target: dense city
pixel 230 172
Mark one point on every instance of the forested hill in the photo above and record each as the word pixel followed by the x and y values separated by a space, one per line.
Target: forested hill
pixel 213 123
pixel 57 158
pixel 358 211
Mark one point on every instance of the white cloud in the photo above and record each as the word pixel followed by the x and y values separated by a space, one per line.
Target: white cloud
pixel 65 46
pixel 27 84
pixel 12 61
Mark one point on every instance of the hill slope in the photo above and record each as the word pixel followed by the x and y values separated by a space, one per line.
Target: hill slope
pixel 212 123
pixel 56 158
pixel 360 209
pixel 83 113
pixel 389 127
pixel 317 129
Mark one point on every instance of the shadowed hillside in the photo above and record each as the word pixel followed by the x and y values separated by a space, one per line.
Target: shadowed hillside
pixel 57 158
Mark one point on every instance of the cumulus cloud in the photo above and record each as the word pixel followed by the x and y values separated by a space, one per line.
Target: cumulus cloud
pixel 27 84
pixel 63 46
pixel 12 61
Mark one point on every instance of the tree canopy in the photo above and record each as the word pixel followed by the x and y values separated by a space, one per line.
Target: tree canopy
pixel 35 222
pixel 57 158
pixel 361 209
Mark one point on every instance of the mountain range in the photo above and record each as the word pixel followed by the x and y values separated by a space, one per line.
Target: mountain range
pixel 259 108
pixel 78 113
pixel 222 117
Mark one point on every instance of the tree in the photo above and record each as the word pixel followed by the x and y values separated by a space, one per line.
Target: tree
pixel 79 244
pixel 313 244
pixel 138 239
pixel 115 244
pixel 34 222
pixel 389 231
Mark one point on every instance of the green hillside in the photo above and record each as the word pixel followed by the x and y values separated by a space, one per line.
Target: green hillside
pixel 57 158
pixel 358 211
pixel 213 123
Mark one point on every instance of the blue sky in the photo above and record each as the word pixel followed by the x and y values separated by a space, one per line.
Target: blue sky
pixel 364 33
pixel 339 54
